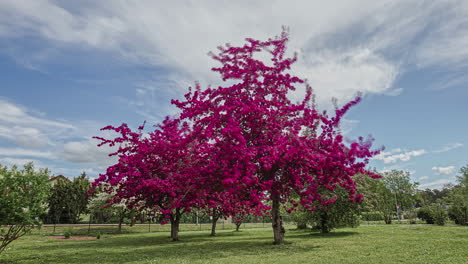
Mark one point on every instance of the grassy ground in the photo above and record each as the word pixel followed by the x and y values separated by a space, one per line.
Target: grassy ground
pixel 366 244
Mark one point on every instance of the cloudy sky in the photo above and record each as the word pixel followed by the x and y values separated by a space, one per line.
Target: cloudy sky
pixel 68 69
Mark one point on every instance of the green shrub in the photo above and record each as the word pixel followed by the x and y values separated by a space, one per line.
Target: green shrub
pixel 425 213
pixel 459 214
pixel 98 235
pixel 433 214
pixel 372 216
pixel 439 215
pixel 68 233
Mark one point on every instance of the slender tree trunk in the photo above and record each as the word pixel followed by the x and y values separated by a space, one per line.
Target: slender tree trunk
pixel 175 220
pixel 238 224
pixel 277 222
pixel 120 224
pixel 213 224
pixel 388 218
pixel 324 228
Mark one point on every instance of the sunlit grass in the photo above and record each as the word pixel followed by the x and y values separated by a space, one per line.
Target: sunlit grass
pixel 366 244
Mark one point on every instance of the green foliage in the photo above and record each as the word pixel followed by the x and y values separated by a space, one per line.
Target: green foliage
pixel 439 215
pixel 425 213
pixel 372 216
pixel 103 210
pixel 458 199
pixel 394 190
pixel 22 200
pixel 325 218
pixel 433 214
pixel 68 233
pixel 67 200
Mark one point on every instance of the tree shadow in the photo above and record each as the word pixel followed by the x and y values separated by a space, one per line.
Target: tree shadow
pixel 196 247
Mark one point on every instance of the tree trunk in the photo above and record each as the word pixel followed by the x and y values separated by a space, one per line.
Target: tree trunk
pixel 175 220
pixel 238 224
pixel 120 224
pixel 213 224
pixel 324 228
pixel 277 222
pixel 387 219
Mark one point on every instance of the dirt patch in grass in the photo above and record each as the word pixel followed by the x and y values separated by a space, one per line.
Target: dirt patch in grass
pixel 73 238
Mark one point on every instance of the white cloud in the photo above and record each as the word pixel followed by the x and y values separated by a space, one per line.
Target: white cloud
pixel 20 162
pixel 66 147
pixel 346 125
pixel 437 184
pixel 423 178
pixel 19 152
pixel 342 50
pixel 20 125
pixel 392 157
pixel 87 152
pixel 444 170
pixel 394 92
pixel 143 32
pixel 448 147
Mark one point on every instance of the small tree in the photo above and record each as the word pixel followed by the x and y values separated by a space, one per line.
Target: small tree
pixel 102 208
pixel 342 212
pixel 389 194
pixel 458 199
pixel 23 194
pixel 68 199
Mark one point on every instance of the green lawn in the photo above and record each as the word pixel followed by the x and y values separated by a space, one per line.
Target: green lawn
pixel 366 244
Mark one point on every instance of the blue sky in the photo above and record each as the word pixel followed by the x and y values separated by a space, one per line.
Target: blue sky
pixel 69 69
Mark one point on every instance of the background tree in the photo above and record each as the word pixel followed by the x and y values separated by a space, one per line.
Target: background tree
pixel 342 212
pixel 68 199
pixel 394 191
pixel 457 199
pixel 103 209
pixel 403 190
pixel 23 194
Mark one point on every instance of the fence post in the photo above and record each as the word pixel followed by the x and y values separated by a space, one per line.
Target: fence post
pixel 89 223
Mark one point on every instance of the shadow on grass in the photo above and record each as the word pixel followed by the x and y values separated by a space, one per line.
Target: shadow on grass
pixel 192 247
pixel 157 246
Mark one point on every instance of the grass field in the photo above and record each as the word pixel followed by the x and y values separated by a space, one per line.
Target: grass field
pixel 366 244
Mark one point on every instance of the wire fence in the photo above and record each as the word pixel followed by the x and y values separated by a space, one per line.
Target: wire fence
pixel 84 229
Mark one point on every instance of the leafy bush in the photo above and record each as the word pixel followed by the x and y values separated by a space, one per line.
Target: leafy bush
pixel 372 216
pixel 433 214
pixel 459 214
pixel 68 233
pixel 439 215
pixel 425 213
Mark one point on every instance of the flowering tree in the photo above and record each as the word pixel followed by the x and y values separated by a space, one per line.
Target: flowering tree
pixel 155 172
pixel 254 135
